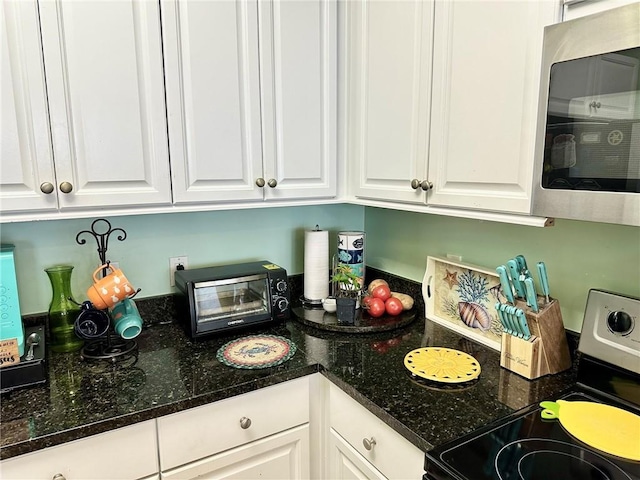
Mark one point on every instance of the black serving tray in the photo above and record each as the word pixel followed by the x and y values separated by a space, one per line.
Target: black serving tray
pixel 364 323
pixel 25 373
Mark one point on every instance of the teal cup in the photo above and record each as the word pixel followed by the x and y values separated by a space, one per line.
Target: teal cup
pixel 126 319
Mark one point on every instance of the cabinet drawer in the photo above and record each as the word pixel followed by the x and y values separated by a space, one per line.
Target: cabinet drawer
pixel 125 453
pixel 203 431
pixel 392 454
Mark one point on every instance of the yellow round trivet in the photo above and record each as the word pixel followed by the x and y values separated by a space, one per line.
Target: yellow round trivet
pixel 442 365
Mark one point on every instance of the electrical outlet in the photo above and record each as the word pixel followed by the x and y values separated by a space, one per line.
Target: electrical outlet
pixel 173 266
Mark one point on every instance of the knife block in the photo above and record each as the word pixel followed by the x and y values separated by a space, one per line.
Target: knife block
pixel 546 352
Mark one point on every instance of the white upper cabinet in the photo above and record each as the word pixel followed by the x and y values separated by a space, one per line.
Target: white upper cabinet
pixel 213 99
pixel 251 90
pixel 26 159
pixel 465 140
pixel 486 83
pixel 388 97
pixel 104 72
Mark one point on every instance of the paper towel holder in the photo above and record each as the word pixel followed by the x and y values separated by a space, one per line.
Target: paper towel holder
pixel 320 269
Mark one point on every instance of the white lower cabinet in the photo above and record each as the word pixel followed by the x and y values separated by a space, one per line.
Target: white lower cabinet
pixel 262 434
pixel 301 429
pixel 346 463
pixel 281 456
pixel 126 453
pixel 363 446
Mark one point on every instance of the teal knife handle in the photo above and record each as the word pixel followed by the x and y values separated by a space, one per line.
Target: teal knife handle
pixel 503 321
pixel 504 281
pixel 544 279
pixel 515 278
pixel 532 297
pixel 522 266
pixel 522 319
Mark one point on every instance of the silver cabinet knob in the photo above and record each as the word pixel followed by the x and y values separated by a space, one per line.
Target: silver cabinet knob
pixel 426 185
pixel 46 187
pixel 415 183
pixel 260 182
pixel 58 476
pixel 66 187
pixel 245 423
pixel 272 182
pixel 369 443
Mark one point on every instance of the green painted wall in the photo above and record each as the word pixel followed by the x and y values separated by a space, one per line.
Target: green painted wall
pixel 578 255
pixel 208 238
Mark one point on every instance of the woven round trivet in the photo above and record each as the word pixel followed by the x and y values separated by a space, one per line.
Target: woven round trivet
pixel 256 351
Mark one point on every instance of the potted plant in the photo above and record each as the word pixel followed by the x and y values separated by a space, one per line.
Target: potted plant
pixel 348 290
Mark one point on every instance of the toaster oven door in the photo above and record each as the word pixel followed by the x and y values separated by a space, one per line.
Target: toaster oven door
pixel 230 303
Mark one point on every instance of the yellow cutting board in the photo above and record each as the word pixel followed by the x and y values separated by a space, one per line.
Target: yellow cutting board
pixel 609 429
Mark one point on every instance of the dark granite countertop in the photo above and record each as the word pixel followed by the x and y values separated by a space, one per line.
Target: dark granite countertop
pixel 173 373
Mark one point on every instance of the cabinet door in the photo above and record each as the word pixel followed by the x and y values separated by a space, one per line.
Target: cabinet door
pixel 374 441
pixel 298 60
pixel 345 463
pixel 213 99
pixel 284 456
pixel 105 83
pixel 389 50
pixel 26 156
pixel 484 106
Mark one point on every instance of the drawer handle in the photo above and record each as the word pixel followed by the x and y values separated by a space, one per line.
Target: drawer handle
pixel 58 476
pixel 369 443
pixel 245 422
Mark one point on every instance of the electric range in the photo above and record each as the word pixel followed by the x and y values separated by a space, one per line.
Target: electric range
pixel 525 446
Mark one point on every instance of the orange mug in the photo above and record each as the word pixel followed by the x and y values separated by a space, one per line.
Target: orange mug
pixel 108 291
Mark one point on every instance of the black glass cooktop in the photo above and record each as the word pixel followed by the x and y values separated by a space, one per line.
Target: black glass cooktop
pixel 525 446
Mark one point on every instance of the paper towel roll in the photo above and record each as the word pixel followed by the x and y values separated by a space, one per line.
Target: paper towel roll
pixel 316 265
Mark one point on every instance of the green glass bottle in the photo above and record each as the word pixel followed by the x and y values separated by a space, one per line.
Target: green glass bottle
pixel 63 311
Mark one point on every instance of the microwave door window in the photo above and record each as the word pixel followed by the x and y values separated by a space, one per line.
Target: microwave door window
pixel 592 139
pixel 242 298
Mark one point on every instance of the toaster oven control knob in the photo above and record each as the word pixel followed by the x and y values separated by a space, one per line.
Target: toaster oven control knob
pixel 245 423
pixel 281 286
pixel 282 304
pixel 620 322
pixel 272 182
pixel 260 182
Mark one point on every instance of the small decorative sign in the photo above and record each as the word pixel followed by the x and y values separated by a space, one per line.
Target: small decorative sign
pixel 9 353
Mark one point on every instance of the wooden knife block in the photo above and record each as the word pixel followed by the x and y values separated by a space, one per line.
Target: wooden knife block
pixel 546 352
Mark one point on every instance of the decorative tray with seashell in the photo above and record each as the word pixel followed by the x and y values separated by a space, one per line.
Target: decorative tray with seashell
pixel 462 297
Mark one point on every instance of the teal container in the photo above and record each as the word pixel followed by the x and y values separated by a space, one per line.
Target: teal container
pixel 10 317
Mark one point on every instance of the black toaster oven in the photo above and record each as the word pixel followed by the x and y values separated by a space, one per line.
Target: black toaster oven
pixel 228 297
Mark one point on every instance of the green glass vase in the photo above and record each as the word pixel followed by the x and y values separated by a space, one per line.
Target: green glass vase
pixel 63 311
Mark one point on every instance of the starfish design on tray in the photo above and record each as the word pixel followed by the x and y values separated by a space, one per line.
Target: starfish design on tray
pixel 451 278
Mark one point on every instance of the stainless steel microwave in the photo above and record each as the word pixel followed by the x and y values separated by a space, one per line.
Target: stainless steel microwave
pixel 587 157
pixel 229 297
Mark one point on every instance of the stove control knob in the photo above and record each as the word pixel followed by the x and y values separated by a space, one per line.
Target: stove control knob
pixel 620 322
